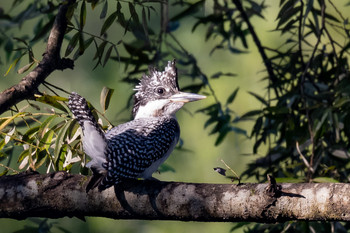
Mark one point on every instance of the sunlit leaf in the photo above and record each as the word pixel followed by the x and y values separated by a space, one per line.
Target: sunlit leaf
pixel 105 98
pixel 60 142
pixel 52 101
pixel 325 180
pixel 7 121
pixel 25 68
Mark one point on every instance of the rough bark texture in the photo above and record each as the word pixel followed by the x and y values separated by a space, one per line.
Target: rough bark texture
pixel 51 61
pixel 60 194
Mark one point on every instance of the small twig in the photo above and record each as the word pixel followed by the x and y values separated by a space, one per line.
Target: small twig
pixel 307 164
pixel 57 87
pixel 8 168
pixel 229 168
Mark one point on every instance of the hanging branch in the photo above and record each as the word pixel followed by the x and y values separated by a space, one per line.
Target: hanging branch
pixel 257 42
pixel 51 61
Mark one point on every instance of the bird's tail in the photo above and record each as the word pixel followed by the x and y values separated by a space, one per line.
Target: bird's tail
pixel 94 140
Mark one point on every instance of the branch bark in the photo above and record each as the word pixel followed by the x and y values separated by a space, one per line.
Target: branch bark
pixel 51 61
pixel 61 194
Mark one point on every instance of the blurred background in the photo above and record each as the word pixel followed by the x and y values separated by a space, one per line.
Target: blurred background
pixel 195 161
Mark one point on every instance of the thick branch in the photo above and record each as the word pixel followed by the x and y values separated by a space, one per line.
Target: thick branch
pixel 60 194
pixel 51 61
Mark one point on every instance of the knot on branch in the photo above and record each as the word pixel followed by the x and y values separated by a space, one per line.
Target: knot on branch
pixel 273 189
pixel 65 63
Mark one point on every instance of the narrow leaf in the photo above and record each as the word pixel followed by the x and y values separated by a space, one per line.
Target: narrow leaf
pixel 60 140
pixel 25 68
pixel 82 15
pixel 259 98
pixel 144 23
pixel 108 22
pixel 105 98
pixel 52 101
pixel 7 121
pixel 72 43
pixel 232 96
pixel 108 55
pixel 133 13
pixel 104 10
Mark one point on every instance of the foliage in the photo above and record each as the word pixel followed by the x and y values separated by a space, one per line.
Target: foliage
pixel 304 118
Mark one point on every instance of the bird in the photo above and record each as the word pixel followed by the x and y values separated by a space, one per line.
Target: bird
pixel 137 148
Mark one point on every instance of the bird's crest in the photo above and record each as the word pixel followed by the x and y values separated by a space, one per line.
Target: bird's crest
pixel 168 77
pixel 155 78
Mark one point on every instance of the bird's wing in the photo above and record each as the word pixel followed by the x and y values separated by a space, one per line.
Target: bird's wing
pixel 136 146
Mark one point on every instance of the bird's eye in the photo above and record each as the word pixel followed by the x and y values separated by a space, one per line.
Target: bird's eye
pixel 160 90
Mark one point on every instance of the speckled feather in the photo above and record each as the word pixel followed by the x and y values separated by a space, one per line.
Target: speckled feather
pixel 133 147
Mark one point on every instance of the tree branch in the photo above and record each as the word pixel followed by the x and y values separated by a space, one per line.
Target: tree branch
pixel 51 61
pixel 61 194
pixel 257 42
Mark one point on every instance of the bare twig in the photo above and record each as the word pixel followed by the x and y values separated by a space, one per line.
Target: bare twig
pixel 51 61
pixel 307 164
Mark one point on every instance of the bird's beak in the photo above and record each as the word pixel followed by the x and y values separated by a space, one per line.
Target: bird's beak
pixel 186 97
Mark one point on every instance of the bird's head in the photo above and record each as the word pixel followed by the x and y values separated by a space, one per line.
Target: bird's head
pixel 158 93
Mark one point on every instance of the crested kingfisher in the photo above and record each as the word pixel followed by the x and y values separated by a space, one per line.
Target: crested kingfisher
pixel 136 148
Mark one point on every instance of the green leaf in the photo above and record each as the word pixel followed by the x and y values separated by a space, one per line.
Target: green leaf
pixel 27 136
pixel 231 98
pixel 144 23
pixel 7 121
pixel 325 180
pixel 108 22
pixel 133 13
pixel 219 74
pixel 251 113
pixel 289 180
pixel 99 53
pixel 45 125
pixel 259 98
pixel 72 43
pixel 88 42
pixel 46 140
pixel 105 98
pixel 25 68
pixel 104 10
pixel 14 63
pixel 52 101
pixel 60 142
pixel 165 168
pixel 82 15
pixel 108 55
pixel 24 154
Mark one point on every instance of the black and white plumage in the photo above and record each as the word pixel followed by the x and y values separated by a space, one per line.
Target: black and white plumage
pixel 136 148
